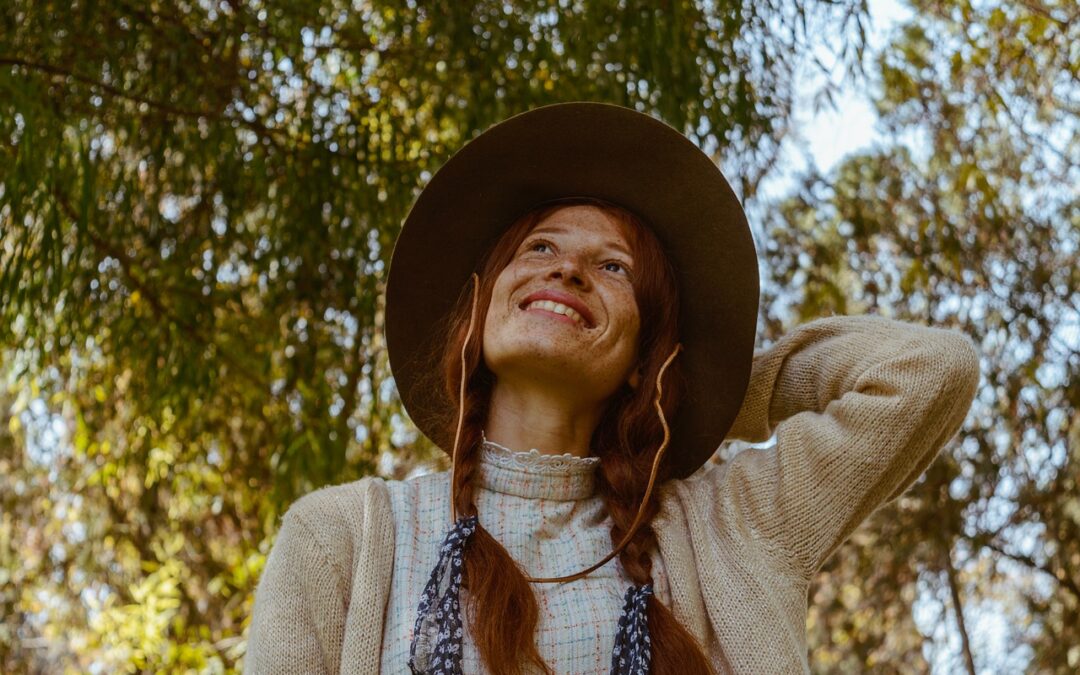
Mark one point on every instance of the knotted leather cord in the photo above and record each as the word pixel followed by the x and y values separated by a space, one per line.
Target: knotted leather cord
pixel 652 474
pixel 461 400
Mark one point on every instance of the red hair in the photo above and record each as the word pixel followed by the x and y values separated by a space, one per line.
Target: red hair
pixel 501 606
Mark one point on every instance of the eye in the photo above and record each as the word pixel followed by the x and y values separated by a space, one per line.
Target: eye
pixel 616 267
pixel 538 246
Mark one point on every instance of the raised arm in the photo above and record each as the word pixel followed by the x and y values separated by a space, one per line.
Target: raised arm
pixel 860 406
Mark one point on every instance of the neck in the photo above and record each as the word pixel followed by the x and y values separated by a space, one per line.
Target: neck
pixel 526 418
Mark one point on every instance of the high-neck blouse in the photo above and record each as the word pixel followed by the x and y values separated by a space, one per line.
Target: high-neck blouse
pixel 545 510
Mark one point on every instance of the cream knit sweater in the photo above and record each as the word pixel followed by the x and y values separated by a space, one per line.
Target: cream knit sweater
pixel 860 406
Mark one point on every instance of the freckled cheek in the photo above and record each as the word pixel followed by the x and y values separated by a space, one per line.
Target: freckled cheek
pixel 500 295
pixel 630 333
pixel 508 281
pixel 627 310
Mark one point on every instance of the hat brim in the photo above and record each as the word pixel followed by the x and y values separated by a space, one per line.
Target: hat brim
pixel 596 150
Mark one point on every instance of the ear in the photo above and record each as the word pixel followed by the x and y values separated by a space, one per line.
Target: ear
pixel 635 378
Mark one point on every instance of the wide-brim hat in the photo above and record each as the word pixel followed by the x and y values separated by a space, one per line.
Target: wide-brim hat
pixel 592 150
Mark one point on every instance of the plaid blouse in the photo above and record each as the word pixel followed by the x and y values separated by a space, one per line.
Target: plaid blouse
pixel 543 509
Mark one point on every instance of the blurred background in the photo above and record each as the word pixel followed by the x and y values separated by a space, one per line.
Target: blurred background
pixel 198 201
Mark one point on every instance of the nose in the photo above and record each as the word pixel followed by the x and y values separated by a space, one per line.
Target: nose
pixel 568 270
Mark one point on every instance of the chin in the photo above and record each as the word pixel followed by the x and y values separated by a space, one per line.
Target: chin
pixel 536 362
pixel 534 353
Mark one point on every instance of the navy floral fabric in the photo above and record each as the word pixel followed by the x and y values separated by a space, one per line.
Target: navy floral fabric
pixel 437 635
pixel 633 649
pixel 436 645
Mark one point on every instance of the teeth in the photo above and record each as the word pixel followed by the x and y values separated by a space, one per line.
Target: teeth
pixel 558 308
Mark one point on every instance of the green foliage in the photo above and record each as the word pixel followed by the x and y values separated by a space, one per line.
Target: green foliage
pixel 198 203
pixel 197 206
pixel 970 219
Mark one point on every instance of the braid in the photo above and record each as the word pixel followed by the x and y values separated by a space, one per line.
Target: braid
pixel 622 481
pixel 629 426
pixel 622 485
pixel 468 464
pixel 496 585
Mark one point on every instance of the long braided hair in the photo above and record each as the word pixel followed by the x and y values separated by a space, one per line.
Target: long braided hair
pixel 502 609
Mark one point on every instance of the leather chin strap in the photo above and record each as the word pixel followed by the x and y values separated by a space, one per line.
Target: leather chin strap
pixel 461 400
pixel 636 524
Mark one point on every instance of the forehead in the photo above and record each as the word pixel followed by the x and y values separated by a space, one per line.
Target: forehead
pixel 588 223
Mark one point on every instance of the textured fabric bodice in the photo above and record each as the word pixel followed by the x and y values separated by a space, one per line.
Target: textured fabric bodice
pixel 544 509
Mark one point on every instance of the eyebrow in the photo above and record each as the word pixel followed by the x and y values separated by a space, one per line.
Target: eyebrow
pixel 558 229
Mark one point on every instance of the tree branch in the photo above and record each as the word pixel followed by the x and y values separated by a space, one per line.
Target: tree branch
pixel 1067 583
pixel 260 129
pixel 958 608
pixel 144 289
pixel 108 88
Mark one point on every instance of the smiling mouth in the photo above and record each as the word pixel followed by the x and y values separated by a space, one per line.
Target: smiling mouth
pixel 557 308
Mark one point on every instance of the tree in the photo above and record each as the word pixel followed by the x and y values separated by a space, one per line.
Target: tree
pixel 197 206
pixel 969 218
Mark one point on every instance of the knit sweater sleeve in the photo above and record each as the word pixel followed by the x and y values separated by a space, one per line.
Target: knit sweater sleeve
pixel 320 602
pixel 299 607
pixel 860 406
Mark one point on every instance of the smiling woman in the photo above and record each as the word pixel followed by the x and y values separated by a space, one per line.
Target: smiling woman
pixel 544 380
pixel 582 281
pixel 561 328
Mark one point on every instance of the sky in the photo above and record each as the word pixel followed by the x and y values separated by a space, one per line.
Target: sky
pixel 826 136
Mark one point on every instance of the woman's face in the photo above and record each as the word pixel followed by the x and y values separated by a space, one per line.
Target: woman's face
pixel 563 312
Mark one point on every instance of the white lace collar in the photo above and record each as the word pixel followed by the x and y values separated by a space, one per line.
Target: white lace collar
pixel 533 474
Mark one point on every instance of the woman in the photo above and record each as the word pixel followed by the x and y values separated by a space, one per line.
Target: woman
pixel 622 295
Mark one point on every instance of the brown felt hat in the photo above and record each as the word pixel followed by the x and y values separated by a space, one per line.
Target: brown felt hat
pixel 592 150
